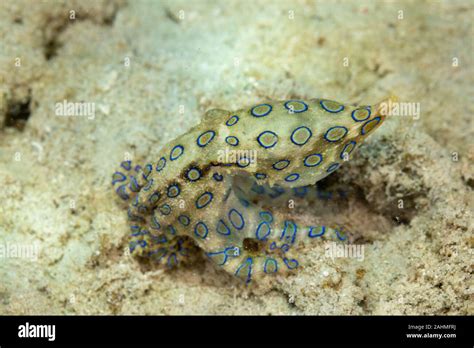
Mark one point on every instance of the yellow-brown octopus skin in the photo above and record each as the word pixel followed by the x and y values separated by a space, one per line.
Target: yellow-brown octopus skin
pixel 216 184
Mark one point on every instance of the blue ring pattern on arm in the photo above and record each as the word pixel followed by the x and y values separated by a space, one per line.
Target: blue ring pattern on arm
pixel 263 231
pixel 176 152
pixel 268 108
pixel 204 200
pixel 283 148
pixel 302 132
pixel 161 164
pixel 236 219
pixel 333 167
pixel 280 165
pixel 267 143
pixel 375 119
pixel 232 120
pixel 360 119
pixel 325 107
pixel 201 230
pixel 292 177
pixel 350 144
pixel 303 106
pixel 205 138
pixel 232 141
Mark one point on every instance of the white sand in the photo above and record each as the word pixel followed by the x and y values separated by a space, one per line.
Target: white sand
pixel 56 171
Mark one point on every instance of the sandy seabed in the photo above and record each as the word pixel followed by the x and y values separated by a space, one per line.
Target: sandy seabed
pixel 152 68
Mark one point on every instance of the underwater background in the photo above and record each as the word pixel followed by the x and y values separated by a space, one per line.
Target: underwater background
pixel 150 69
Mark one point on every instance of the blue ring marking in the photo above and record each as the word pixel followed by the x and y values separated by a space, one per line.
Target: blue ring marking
pixel 332 167
pixel 135 202
pixel 232 141
pixel 203 234
pixel 273 246
pixel 363 119
pixel 330 129
pixel 202 144
pixel 242 164
pixel 133 244
pixel 134 186
pixel 207 196
pixel 193 169
pixel 266 216
pixel 219 253
pixel 225 254
pixel 155 224
pixel 292 177
pixel 312 156
pixel 339 236
pixel 274 263
pixel 285 247
pixel 329 110
pixel 232 213
pixel 161 164
pixel 305 106
pixel 171 229
pixel 300 191
pixel 147 170
pixel 263 227
pixel 311 234
pixel 176 152
pixel 307 139
pixel 218 177
pixel 222 228
pixel 291 264
pixel 165 209
pixel 291 234
pixel 170 194
pixel 184 220
pixel 260 176
pixel 122 192
pixel 286 164
pixel 248 263
pixel 252 111
pixel 181 250
pixel 148 185
pixel 272 144
pixel 232 120
pixel 363 132
pixel 137 231
pixel 127 165
pixel 172 260
pixel 353 143
pixel 121 177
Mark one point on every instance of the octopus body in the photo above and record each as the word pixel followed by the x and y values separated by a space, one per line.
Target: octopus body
pixel 220 183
